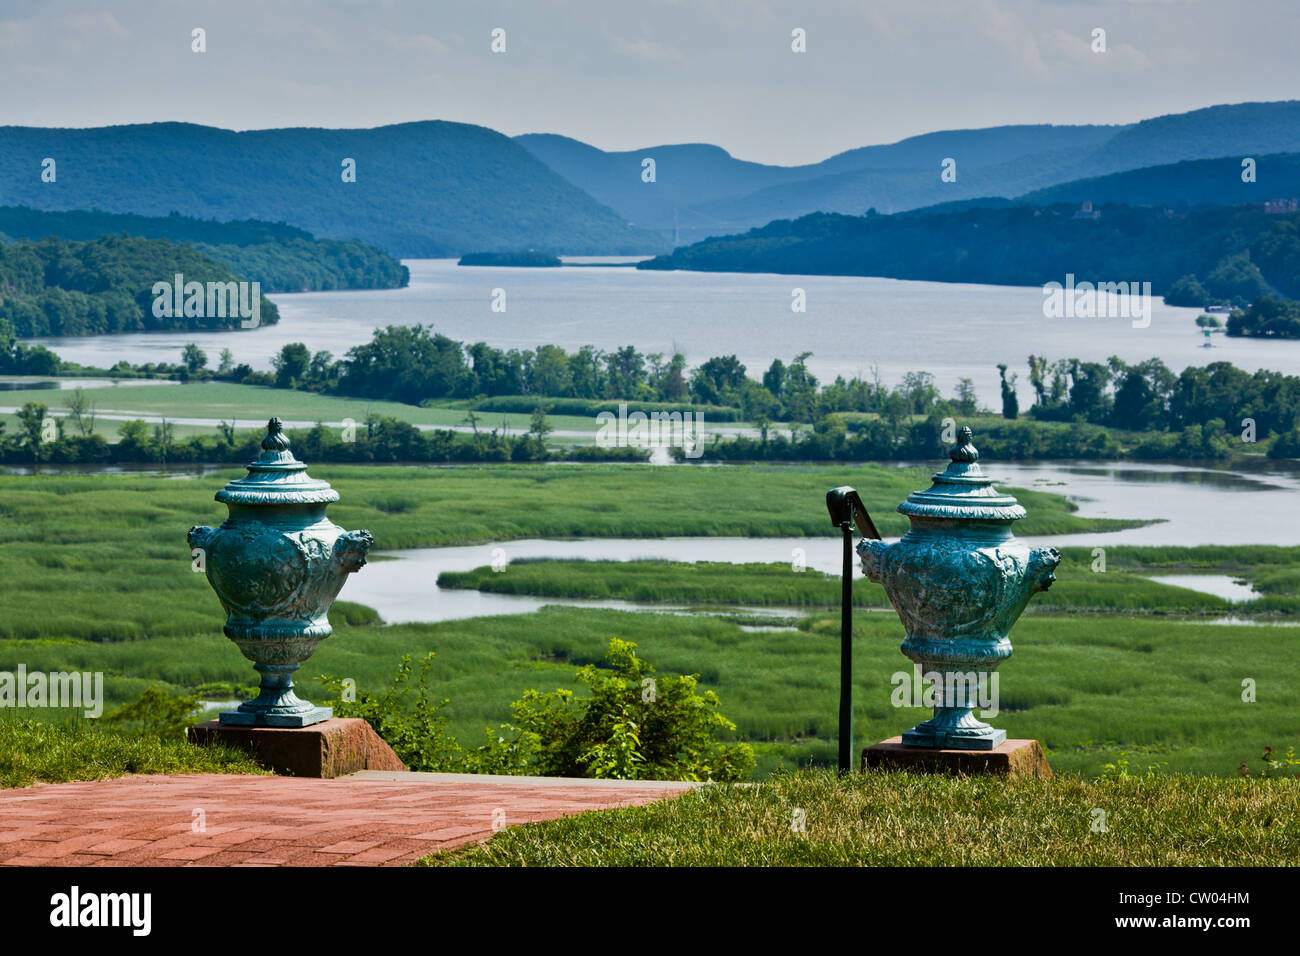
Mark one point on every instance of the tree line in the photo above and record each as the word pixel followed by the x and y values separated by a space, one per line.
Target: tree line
pixel 73 439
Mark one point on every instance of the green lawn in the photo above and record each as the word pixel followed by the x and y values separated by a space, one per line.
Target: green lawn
pixel 897 819
pixel 225 401
pixel 53 752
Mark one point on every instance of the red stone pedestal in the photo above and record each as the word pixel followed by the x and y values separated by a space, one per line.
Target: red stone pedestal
pixel 332 748
pixel 1023 759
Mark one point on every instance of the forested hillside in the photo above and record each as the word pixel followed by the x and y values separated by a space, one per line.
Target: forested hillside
pixel 420 189
pixel 60 287
pixel 281 257
pixel 1231 253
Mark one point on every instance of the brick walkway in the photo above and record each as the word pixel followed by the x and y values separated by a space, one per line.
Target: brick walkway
pixel 369 819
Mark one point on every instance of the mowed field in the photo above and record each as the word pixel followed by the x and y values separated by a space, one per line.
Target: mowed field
pixel 95 575
pixel 251 406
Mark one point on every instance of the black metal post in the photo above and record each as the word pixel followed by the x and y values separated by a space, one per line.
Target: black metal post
pixel 847 510
pixel 846 654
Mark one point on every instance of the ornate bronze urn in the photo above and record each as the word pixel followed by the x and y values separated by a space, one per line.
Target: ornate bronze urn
pixel 277 564
pixel 958 579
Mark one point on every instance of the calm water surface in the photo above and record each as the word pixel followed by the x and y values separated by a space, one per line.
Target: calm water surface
pixel 1197 505
pixel 851 323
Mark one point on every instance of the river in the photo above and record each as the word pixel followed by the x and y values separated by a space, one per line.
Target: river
pixel 850 324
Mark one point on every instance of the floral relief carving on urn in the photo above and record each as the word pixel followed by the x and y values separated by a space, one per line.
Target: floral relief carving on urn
pixel 277 563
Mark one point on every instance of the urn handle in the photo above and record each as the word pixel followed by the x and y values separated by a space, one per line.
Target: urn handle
pixel 872 551
pixel 199 536
pixel 1042 565
pixel 351 548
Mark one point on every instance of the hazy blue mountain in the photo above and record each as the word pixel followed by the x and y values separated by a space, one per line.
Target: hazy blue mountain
pixel 715 194
pixel 685 176
pixel 422 189
pixel 1193 182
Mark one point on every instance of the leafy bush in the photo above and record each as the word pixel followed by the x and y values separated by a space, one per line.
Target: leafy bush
pixel 1287 445
pixel 417 732
pixel 155 712
pixel 633 726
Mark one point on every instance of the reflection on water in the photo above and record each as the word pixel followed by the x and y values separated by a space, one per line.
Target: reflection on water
pixel 141 470
pixel 71 384
pixel 404 589
pixel 1234 621
pixel 1220 585
pixel 1216 478
pixel 1194 505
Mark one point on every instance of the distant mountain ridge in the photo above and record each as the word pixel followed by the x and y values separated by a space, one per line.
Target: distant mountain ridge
pixel 422 189
pixel 715 194
pixel 435 188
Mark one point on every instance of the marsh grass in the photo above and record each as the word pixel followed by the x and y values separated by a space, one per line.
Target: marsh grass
pixel 669 582
pixel 1091 689
pixel 96 575
pixel 104 558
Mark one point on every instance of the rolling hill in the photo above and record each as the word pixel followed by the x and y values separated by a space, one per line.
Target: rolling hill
pixel 422 189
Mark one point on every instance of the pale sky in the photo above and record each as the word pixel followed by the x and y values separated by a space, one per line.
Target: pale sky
pixel 625 74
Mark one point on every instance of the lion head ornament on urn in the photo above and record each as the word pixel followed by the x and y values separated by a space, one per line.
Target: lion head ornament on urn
pixel 277 563
pixel 959 579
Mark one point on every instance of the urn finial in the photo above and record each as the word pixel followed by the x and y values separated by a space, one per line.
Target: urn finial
pixel 275 440
pixel 964 450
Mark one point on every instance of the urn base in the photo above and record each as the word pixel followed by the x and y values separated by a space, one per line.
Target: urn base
pixel 954 728
pixel 259 718
pixel 921 736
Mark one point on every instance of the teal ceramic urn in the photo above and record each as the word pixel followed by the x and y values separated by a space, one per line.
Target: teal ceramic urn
pixel 959 579
pixel 277 563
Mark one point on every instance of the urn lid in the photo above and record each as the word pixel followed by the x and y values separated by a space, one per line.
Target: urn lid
pixel 275 477
pixel 962 490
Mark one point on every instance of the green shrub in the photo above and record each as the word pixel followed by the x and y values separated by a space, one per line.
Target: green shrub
pixel 633 726
pixel 417 731
pixel 154 712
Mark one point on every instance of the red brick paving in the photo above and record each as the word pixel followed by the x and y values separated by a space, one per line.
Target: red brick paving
pixel 277 821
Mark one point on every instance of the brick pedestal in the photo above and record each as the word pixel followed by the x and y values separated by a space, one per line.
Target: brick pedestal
pixel 1014 758
pixel 331 748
